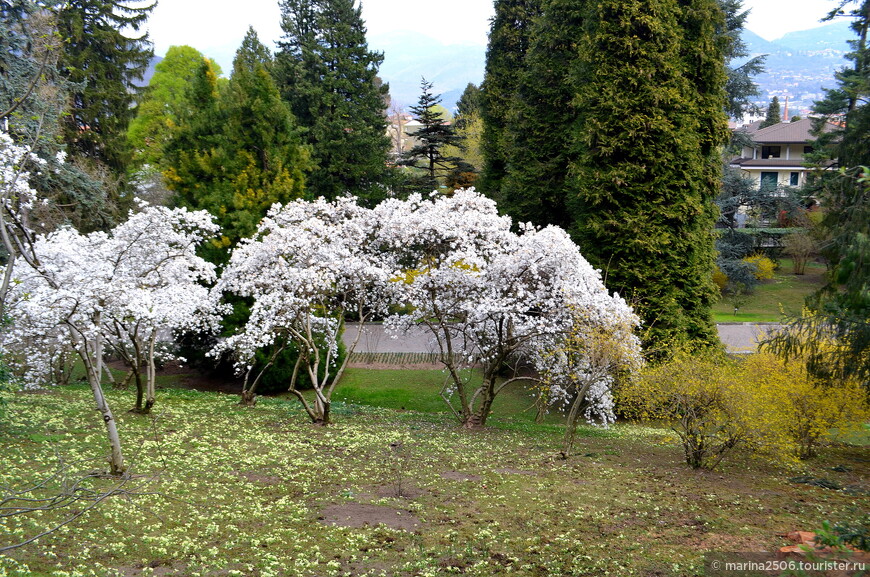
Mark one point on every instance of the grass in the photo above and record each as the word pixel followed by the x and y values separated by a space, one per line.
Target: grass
pixel 786 291
pixel 220 490
pixel 420 390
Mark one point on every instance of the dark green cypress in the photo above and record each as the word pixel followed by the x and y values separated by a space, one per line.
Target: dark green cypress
pixel 649 100
pixel 536 139
pixel 509 39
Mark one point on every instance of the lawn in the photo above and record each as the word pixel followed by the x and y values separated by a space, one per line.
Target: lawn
pixel 785 292
pixel 217 489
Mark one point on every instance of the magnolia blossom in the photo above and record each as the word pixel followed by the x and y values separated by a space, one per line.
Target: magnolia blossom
pixel 144 273
pixel 309 265
pixel 492 297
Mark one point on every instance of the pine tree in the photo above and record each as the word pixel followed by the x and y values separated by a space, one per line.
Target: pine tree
pixel 329 77
pixel 433 136
pixel 645 170
pixel 509 39
pixel 774 115
pixel 103 63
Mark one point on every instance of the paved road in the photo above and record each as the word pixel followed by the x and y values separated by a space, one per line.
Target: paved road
pixel 736 338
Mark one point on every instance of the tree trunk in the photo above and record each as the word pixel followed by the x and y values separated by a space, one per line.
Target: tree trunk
pixel 151 377
pixel 140 390
pixel 94 364
pixel 249 398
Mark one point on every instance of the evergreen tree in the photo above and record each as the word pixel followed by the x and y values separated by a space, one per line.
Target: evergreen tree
pixel 329 77
pixel 740 87
pixel 834 335
pixel 536 140
pixel 468 127
pixel 238 150
pixel 509 39
pixel 434 135
pixel 159 106
pixel 469 104
pixel 102 63
pixel 33 99
pixel 645 171
pixel 774 114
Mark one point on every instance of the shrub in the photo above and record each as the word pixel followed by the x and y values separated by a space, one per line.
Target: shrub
pixel 703 398
pixel 796 412
pixel 720 278
pixel 761 403
pixel 800 246
pixel 763 266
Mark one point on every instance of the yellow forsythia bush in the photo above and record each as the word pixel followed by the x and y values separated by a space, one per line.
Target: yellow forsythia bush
pixel 764 267
pixel 759 403
pixel 796 412
pixel 720 278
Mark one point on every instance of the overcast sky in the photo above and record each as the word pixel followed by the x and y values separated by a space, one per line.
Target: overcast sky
pixel 216 28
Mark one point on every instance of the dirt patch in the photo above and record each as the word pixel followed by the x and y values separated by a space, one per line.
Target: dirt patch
pixel 359 515
pixel 400 492
pixel 459 476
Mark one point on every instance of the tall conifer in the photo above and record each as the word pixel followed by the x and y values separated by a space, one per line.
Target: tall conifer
pixel 103 62
pixel 329 77
pixel 509 39
pixel 536 139
pixel 645 173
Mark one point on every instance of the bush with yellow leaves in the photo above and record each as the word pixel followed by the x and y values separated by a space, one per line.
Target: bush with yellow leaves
pixel 763 266
pixel 759 403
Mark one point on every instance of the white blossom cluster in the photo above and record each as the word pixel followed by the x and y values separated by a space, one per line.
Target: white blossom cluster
pixel 450 263
pixel 145 272
pixel 14 176
pixel 308 265
pixel 492 292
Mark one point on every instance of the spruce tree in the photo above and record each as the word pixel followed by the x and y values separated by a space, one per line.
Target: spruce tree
pixel 103 64
pixel 329 77
pixel 774 115
pixel 509 38
pixel 645 173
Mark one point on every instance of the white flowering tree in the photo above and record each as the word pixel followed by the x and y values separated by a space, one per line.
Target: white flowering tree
pixel 16 198
pixel 167 289
pixel 309 266
pixel 80 288
pixel 494 299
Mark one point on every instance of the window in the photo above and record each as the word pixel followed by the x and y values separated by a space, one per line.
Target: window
pixel 794 178
pixel 808 149
pixel 770 151
pixel 768 181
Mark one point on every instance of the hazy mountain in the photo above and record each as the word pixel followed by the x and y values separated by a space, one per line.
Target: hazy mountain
pixel 408 57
